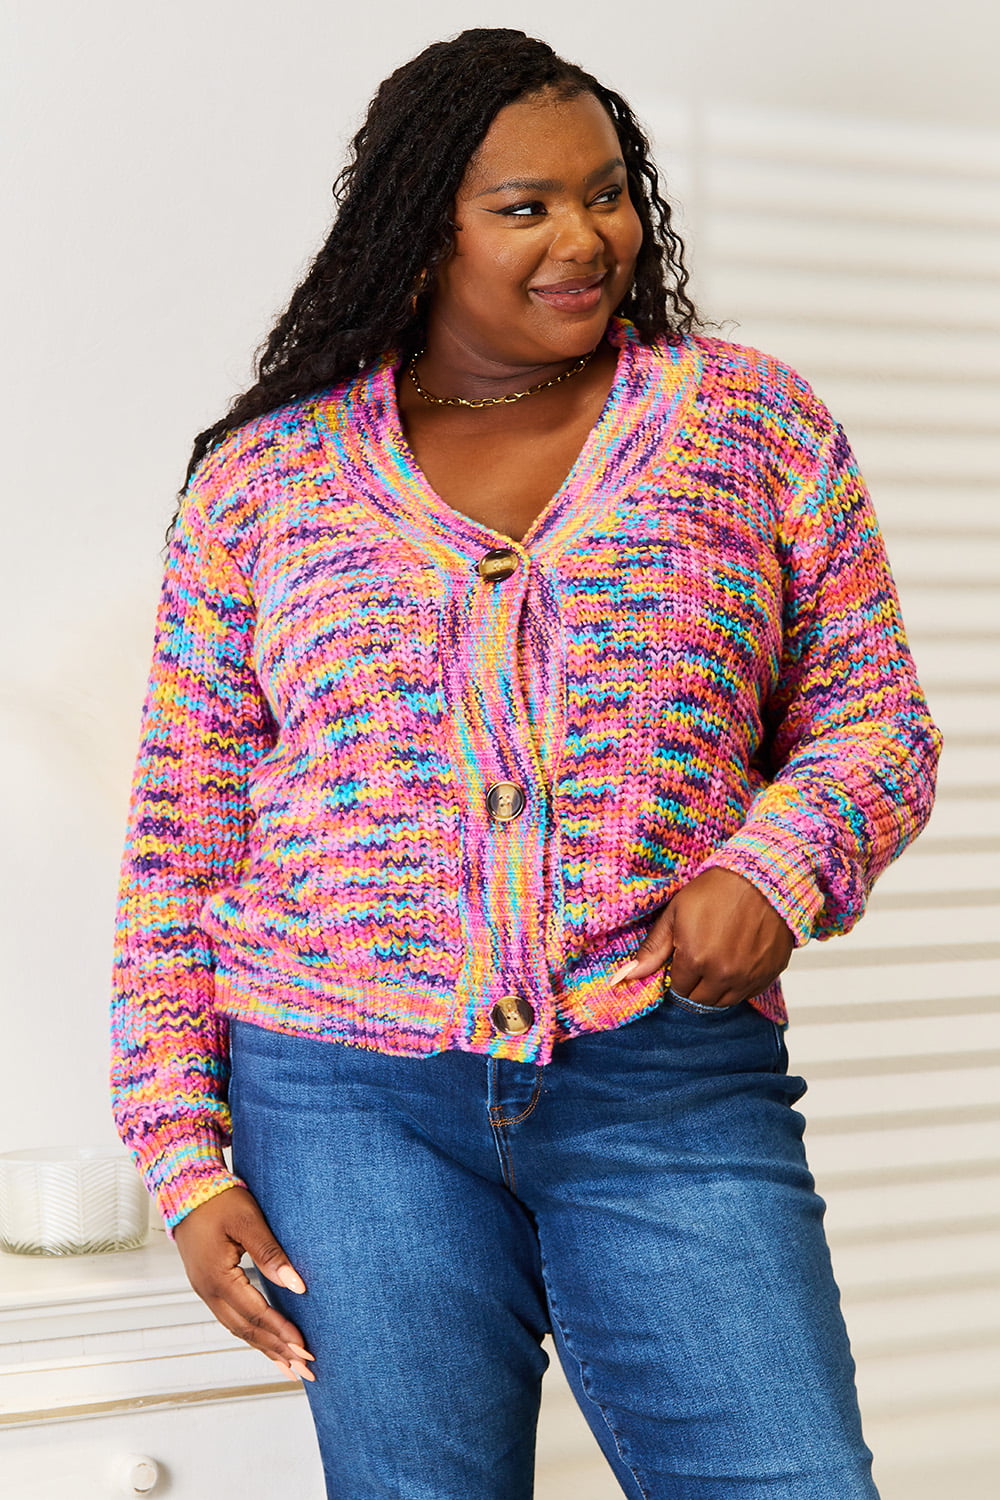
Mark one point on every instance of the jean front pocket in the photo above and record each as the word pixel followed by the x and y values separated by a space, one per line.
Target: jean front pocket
pixel 695 1009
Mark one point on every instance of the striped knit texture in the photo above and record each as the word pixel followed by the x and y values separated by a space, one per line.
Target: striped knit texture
pixel 698 661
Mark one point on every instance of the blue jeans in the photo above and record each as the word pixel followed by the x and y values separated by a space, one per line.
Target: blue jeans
pixel 644 1197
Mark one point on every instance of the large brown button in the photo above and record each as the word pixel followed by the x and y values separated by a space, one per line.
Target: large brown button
pixel 497 564
pixel 505 800
pixel 512 1015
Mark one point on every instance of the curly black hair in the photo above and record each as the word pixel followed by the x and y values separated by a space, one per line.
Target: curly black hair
pixel 356 301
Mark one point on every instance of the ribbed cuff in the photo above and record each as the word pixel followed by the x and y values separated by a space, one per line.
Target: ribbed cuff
pixel 183 1166
pixel 782 872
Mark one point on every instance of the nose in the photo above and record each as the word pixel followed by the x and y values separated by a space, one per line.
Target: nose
pixel 575 237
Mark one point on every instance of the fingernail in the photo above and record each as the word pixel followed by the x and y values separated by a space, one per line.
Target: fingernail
pixel 302 1353
pixel 291 1279
pixel 301 1371
pixel 286 1370
pixel 623 971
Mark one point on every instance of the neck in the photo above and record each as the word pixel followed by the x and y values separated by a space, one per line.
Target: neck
pixel 452 365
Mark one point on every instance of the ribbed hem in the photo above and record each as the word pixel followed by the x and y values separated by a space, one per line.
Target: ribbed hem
pixel 409 1021
pixel 582 1001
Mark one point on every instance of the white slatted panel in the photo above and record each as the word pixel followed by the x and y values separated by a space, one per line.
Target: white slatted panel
pixel 872 264
pixel 868 256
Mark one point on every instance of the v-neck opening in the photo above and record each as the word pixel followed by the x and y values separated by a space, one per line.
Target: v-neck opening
pixel 360 428
pixel 617 336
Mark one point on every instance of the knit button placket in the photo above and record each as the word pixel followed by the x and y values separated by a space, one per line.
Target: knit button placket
pixel 496 689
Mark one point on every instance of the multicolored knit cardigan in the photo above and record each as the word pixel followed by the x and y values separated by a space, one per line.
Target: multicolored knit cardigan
pixel 696 659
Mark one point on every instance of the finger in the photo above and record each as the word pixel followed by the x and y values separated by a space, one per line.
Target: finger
pixel 268 1256
pixel 291 1369
pixel 248 1314
pixel 654 952
pixel 685 976
pixel 251 1272
pixel 717 992
pixel 257 1339
pixel 249 1331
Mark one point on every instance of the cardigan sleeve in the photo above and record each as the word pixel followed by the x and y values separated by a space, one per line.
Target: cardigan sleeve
pixel 852 748
pixel 204 723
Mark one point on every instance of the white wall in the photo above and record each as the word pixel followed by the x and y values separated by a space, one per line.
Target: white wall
pixel 168 182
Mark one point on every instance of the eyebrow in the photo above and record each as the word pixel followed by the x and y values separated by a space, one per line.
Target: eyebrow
pixel 548 184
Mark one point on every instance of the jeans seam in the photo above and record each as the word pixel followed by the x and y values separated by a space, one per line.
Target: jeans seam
pixel 506 1160
pixel 516 1119
pixel 583 1372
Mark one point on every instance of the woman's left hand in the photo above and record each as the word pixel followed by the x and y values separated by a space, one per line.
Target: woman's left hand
pixel 719 937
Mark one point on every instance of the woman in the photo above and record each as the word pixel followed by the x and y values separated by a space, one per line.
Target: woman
pixel 529 680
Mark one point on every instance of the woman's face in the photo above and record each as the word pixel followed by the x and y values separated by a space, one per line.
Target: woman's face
pixel 547 237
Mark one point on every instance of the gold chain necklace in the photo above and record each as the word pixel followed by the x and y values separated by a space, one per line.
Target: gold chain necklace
pixel 495 400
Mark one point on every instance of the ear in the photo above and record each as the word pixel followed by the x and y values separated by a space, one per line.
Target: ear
pixel 455 228
pixel 419 287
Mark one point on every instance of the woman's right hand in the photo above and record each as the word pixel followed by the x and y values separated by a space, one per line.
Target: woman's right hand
pixel 211 1239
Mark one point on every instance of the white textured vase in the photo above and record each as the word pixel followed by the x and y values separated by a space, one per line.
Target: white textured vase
pixel 71 1200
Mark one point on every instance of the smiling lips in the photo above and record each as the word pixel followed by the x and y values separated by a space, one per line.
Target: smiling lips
pixel 579 295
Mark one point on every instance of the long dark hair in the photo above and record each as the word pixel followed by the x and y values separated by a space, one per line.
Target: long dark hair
pixel 395 197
